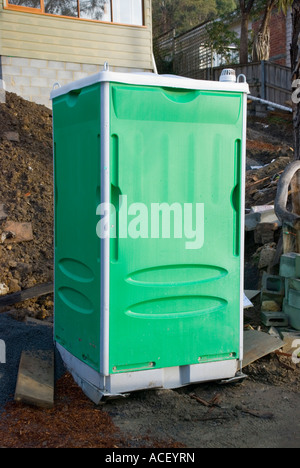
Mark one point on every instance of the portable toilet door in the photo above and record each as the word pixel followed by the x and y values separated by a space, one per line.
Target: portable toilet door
pixel 149 230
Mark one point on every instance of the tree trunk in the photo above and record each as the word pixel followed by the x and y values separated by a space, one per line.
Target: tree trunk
pixel 245 8
pixel 244 39
pixel 261 46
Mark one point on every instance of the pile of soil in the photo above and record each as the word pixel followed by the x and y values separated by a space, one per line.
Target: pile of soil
pixel 26 190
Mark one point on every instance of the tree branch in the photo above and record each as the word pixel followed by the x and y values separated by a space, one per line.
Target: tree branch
pixel 249 6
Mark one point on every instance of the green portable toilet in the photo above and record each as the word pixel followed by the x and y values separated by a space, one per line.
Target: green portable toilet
pixel 149 230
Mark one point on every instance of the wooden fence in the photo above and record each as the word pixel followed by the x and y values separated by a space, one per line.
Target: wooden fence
pixel 267 80
pixel 190 55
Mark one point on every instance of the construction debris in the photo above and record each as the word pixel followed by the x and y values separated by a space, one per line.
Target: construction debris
pixel 280 295
pixel 251 294
pixel 247 301
pixel 20 296
pixel 17 232
pixel 35 383
pixel 258 344
pixel 256 414
pixel 263 214
pixel 265 256
pixel 215 401
pixel 291 340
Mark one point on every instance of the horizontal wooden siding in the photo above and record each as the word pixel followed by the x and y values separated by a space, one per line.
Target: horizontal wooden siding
pixel 62 39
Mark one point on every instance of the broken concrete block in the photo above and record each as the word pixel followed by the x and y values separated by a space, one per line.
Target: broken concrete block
pixel 264 233
pixel 273 283
pixel 271 297
pixel 294 298
pixel 266 256
pixel 293 314
pixel 288 265
pixel 251 221
pixel 17 232
pixel 274 319
pixel 292 283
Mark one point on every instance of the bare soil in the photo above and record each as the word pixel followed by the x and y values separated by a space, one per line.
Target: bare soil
pixel 26 189
pixel 262 411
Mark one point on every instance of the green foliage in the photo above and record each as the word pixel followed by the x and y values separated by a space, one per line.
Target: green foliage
pixel 221 39
pixel 225 6
pixel 284 5
pixel 260 6
pixel 183 15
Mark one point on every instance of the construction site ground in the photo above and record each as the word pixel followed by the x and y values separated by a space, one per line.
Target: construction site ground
pixel 261 411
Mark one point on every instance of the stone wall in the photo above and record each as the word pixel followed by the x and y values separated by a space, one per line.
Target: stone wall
pixel 33 79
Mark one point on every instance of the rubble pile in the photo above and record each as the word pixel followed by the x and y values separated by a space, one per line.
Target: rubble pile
pixel 269 151
pixel 277 274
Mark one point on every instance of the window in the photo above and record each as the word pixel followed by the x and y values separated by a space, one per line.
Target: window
pixel 26 3
pixel 128 11
pixel 66 8
pixel 117 11
pixel 97 10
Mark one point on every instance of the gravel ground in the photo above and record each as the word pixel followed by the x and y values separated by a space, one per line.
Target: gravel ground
pixel 19 336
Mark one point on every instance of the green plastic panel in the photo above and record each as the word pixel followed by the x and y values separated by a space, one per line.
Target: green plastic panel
pixel 77 248
pixel 169 305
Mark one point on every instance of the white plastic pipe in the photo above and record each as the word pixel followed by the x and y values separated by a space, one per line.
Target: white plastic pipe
pixel 269 103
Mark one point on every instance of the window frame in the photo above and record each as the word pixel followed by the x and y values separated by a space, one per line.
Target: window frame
pixel 41 11
pixel 23 8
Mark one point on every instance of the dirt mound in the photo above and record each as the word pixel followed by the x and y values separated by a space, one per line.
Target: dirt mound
pixel 26 190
